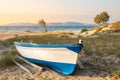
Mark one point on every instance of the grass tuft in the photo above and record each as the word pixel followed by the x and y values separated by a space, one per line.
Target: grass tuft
pixel 6 61
pixel 7 58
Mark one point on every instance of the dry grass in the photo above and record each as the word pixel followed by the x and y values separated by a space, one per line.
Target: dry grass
pixel 104 44
pixel 47 38
pixel 7 59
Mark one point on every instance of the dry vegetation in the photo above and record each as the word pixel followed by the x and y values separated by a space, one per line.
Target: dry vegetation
pixel 115 25
pixel 100 56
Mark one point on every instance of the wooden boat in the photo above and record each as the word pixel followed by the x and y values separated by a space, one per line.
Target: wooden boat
pixel 59 57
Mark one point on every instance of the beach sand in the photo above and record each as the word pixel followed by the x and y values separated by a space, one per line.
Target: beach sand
pixel 92 71
pixel 95 67
pixel 8 35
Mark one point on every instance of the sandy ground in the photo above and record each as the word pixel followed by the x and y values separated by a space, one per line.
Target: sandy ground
pixel 8 35
pixel 96 68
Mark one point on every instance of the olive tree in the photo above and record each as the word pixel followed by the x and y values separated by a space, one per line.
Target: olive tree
pixel 101 18
pixel 42 23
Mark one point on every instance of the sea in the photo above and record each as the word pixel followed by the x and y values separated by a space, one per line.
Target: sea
pixel 40 29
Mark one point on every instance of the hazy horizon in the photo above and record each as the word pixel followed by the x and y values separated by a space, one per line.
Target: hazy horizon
pixel 30 11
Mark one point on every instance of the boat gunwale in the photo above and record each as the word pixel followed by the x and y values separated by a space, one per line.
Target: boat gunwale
pixel 34 45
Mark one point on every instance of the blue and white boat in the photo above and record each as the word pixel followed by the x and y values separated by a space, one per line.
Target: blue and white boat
pixel 59 57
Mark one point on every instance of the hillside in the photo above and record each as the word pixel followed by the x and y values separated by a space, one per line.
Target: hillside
pixel 113 27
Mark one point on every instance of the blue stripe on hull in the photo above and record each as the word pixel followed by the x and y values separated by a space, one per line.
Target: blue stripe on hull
pixel 64 68
pixel 75 48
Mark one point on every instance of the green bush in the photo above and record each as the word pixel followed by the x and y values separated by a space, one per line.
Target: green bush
pixel 84 30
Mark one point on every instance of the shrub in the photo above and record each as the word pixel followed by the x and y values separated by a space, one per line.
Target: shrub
pixel 84 30
pixel 28 31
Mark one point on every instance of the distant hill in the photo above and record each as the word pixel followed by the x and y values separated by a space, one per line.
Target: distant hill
pixel 70 24
pixel 51 24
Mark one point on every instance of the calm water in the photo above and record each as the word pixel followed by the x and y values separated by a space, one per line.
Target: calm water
pixel 38 29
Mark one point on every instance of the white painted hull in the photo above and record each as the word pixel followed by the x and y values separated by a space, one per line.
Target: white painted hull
pixel 53 55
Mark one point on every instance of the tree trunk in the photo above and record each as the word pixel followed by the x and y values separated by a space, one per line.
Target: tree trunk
pixel 45 29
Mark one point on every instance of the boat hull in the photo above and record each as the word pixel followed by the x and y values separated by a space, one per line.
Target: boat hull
pixel 61 58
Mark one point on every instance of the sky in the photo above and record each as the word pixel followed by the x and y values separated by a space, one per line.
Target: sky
pixel 30 11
